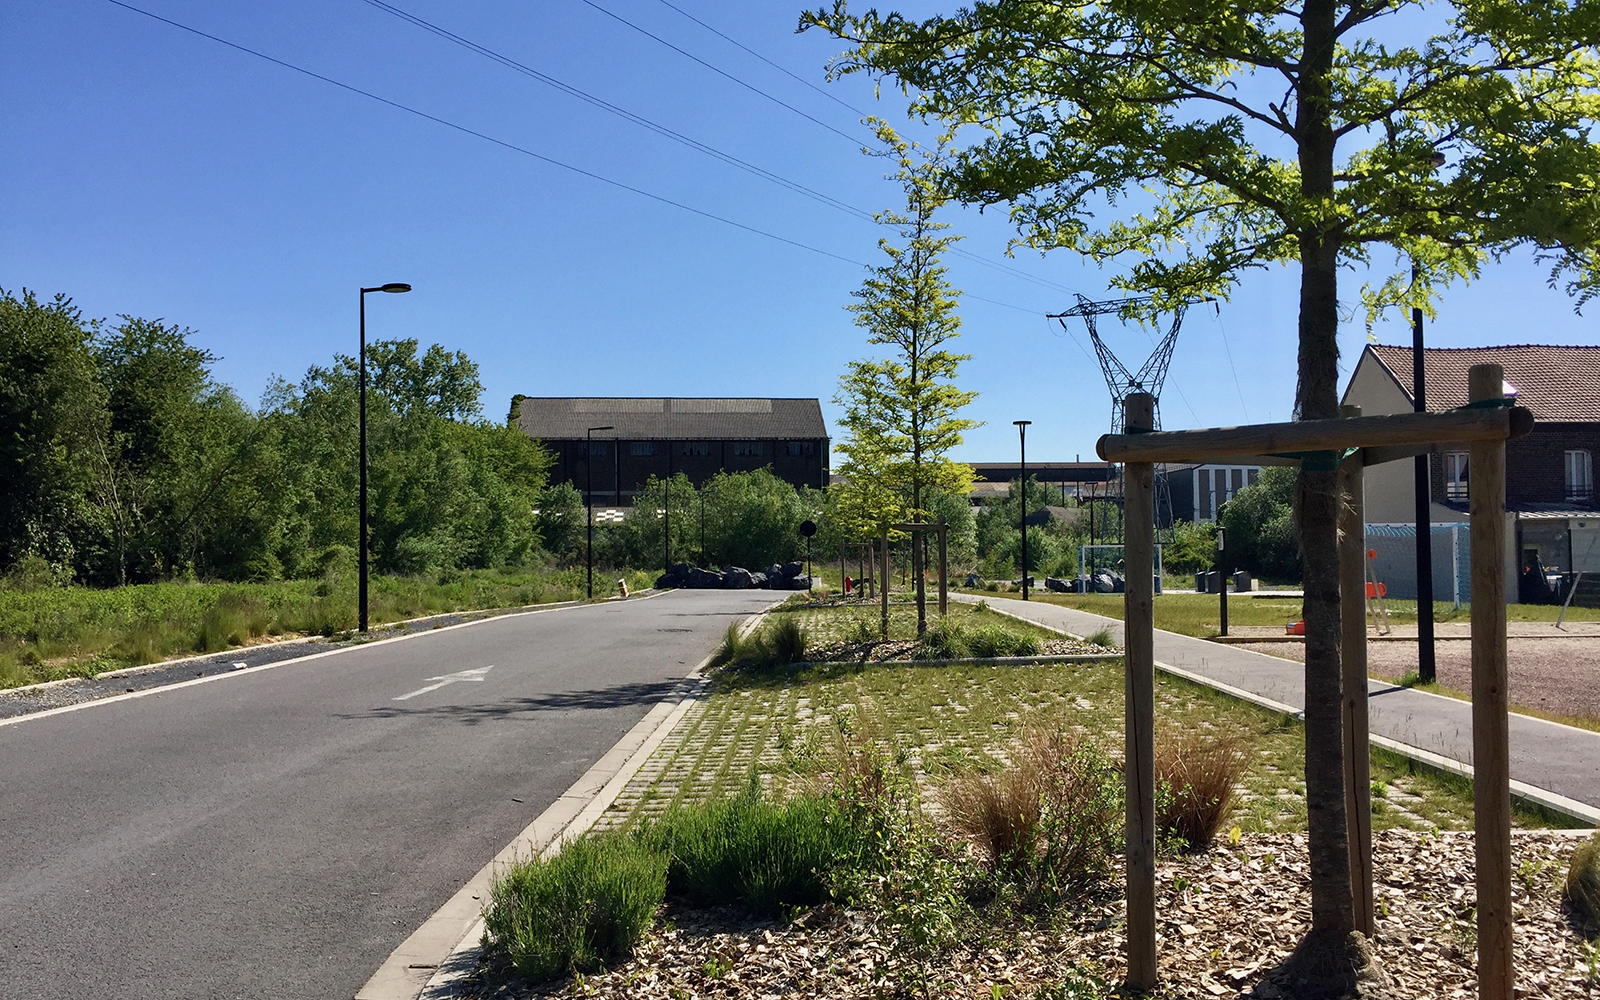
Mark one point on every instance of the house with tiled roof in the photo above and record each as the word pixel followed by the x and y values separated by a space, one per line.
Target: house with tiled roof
pixel 1549 473
pixel 662 436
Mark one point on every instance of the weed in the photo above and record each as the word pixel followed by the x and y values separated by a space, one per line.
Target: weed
pixel 732 647
pixel 1202 774
pixel 944 640
pixel 716 967
pixel 577 911
pixel 1102 636
pixel 997 640
pixel 1380 789
pixel 787 640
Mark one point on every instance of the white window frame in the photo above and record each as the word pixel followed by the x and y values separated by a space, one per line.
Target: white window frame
pixel 1457 476
pixel 1580 474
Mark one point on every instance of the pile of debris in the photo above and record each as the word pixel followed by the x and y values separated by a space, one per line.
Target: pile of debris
pixel 778 576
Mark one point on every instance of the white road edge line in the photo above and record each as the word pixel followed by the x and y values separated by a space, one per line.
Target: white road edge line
pixel 444 950
pixel 236 672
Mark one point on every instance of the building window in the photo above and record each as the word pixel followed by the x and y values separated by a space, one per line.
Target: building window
pixel 1455 475
pixel 1580 476
pixel 802 448
pixel 697 449
pixel 747 449
pixel 592 449
pixel 641 449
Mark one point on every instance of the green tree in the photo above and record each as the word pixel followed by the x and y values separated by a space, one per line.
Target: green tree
pixel 52 428
pixel 752 519
pixel 561 520
pixel 1300 133
pixel 901 412
pixel 1259 522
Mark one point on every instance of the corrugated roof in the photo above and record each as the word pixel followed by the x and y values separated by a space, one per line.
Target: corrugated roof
pixel 669 418
pixel 1558 383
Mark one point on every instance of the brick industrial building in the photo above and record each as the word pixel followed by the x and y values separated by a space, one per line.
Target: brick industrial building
pixel 662 436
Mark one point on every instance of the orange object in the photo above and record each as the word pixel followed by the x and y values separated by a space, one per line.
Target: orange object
pixel 1377 590
pixel 1296 628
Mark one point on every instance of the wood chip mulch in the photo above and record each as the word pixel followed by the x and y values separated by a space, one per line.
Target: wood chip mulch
pixel 1226 918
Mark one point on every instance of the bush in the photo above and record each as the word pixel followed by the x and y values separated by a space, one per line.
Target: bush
pixel 1583 878
pixel 786 640
pixel 768 856
pixel 1049 822
pixel 997 640
pixel 1198 779
pixel 577 911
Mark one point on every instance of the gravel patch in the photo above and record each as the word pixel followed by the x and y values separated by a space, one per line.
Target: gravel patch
pixel 1225 920
pixel 1553 675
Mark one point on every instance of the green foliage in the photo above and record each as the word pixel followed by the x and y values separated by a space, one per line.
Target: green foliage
pixel 752 520
pixel 1260 526
pixel 581 910
pixel 768 856
pixel 900 412
pixel 1583 878
pixel 561 521
pixel 1192 548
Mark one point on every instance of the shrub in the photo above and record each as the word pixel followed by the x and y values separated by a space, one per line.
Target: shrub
pixel 577 911
pixel 786 640
pixel 749 850
pixel 1583 878
pixel 1198 776
pixel 997 640
pixel 1102 636
pixel 944 640
pixel 1050 821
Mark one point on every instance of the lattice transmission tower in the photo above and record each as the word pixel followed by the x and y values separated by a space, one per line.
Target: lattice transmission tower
pixel 1150 377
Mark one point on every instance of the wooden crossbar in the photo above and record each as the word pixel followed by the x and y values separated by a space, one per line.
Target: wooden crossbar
pixel 1337 434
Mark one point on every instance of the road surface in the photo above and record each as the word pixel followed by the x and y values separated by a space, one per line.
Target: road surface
pixel 278 833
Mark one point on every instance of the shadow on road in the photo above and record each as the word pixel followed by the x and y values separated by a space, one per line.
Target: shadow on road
pixel 639 693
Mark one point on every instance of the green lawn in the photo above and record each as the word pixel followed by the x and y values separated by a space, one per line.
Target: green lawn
pixel 941 722
pixel 1199 614
pixel 79 631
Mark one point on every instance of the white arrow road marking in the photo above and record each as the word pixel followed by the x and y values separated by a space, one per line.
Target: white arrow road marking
pixel 475 674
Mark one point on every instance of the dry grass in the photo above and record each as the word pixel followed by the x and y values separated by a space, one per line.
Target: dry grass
pixel 1050 820
pixel 1583 878
pixel 1199 775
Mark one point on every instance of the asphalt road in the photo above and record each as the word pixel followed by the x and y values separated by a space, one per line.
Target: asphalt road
pixel 278 833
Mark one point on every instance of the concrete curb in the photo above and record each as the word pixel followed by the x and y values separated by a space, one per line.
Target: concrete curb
pixel 435 960
pixel 1528 795
pixel 971 661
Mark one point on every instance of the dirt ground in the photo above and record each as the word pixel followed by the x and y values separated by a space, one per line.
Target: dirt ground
pixel 1552 675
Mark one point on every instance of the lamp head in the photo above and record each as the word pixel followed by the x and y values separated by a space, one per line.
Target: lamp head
pixel 395 287
pixel 1022 423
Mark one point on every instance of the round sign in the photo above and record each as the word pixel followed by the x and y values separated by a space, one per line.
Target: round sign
pixel 808 528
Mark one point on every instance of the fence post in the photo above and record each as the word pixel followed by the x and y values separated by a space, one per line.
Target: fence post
pixel 1139 704
pixel 1353 664
pixel 1491 763
pixel 883 585
pixel 944 570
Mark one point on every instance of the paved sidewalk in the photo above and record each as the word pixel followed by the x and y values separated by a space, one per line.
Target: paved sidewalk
pixel 1545 755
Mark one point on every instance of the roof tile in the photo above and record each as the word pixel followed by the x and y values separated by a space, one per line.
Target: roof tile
pixel 1558 383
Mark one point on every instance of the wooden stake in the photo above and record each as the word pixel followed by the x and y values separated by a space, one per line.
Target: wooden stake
pixel 1139 700
pixel 944 570
pixel 883 585
pixel 1353 663
pixel 1491 758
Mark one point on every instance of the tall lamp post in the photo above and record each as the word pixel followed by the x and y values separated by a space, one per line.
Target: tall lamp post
pixel 1022 441
pixel 588 498
pixel 394 287
pixel 1426 669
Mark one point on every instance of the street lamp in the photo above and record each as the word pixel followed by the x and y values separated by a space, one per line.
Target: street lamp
pixel 1022 441
pixel 588 496
pixel 393 287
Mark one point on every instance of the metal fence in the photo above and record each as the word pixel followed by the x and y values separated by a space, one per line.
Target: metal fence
pixel 1395 562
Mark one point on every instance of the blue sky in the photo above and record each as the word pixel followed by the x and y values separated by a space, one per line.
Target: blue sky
pixel 155 173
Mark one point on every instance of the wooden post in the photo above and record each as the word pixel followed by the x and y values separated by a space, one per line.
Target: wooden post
pixel 944 570
pixel 1491 763
pixel 883 585
pixel 1139 700
pixel 1353 661
pixel 843 572
pixel 919 570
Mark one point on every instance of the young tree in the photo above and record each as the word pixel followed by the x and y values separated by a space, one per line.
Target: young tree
pixel 901 411
pixel 1296 132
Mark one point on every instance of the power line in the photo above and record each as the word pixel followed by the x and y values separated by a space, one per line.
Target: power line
pixel 488 138
pixel 724 73
pixel 1229 351
pixel 619 111
pixel 734 41
pixel 695 144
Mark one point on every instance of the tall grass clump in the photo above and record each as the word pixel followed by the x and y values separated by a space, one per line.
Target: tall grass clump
pixel 1197 777
pixel 768 856
pixel 578 911
pixel 944 640
pixel 1047 824
pixel 1583 878
pixel 997 640
pixel 787 640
